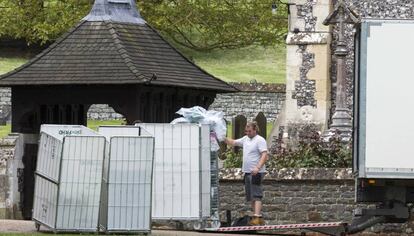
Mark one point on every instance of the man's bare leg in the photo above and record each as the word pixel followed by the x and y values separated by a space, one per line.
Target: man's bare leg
pixel 257 218
pixel 257 208
pixel 253 206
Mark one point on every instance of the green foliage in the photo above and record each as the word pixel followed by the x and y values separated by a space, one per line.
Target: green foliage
pixel 206 25
pixel 199 25
pixel 40 21
pixel 312 151
pixel 232 159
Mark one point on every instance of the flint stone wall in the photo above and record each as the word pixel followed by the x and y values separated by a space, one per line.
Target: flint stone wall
pixel 252 99
pixel 376 9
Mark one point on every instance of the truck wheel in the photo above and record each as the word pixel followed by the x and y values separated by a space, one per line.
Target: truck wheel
pixel 198 225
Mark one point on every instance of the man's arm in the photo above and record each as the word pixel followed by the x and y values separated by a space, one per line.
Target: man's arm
pixel 262 161
pixel 234 142
pixel 230 142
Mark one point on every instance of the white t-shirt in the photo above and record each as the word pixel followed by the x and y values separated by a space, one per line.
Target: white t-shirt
pixel 252 149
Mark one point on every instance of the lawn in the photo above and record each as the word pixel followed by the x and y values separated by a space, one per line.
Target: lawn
pixel 5 130
pixel 94 124
pixel 265 65
pixel 8 64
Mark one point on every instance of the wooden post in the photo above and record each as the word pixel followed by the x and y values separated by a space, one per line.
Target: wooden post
pixel 262 123
pixel 239 124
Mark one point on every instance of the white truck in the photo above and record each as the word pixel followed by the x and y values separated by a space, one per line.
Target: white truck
pixel 383 150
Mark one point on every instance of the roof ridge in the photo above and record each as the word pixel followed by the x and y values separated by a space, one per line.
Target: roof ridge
pixel 124 53
pixel 44 52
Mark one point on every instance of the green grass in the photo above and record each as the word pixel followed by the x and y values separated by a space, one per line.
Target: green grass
pixel 265 65
pixel 5 130
pixel 8 64
pixel 94 124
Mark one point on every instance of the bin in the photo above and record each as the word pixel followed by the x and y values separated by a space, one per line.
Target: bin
pixel 185 175
pixel 68 178
pixel 127 180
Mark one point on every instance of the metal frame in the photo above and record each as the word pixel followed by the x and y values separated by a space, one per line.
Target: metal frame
pixel 360 109
pixel 51 178
pixel 202 221
pixel 106 193
pixel 53 227
pixel 215 190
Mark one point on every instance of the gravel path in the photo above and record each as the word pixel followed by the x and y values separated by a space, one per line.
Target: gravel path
pixel 24 226
pixel 20 226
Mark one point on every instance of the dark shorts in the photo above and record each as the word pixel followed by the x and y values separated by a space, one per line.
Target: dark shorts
pixel 253 186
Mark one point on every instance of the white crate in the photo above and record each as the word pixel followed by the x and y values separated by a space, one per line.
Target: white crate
pixel 127 182
pixel 68 178
pixel 182 188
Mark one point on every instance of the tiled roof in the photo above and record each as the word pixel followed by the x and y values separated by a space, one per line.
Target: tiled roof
pixel 110 52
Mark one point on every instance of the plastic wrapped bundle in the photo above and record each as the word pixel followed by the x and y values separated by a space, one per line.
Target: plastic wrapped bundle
pixel 215 119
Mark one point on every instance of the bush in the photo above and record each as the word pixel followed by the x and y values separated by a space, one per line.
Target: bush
pixel 309 151
pixel 312 151
pixel 232 159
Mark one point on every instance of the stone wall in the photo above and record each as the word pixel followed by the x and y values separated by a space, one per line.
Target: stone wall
pixel 103 112
pixel 5 104
pixel 10 171
pixel 380 9
pixel 299 196
pixel 307 63
pixel 252 99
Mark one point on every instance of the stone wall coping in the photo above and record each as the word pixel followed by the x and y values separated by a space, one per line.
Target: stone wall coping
pixel 260 87
pixel 285 174
pixel 9 140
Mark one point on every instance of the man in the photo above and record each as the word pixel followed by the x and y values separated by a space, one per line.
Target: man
pixel 254 159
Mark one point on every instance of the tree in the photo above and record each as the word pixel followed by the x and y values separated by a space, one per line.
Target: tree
pixel 40 21
pixel 200 25
pixel 209 24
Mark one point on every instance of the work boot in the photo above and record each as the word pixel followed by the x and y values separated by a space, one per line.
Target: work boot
pixel 256 220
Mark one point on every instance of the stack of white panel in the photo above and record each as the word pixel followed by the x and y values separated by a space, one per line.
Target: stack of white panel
pixel 127 182
pixel 68 178
pixel 182 188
